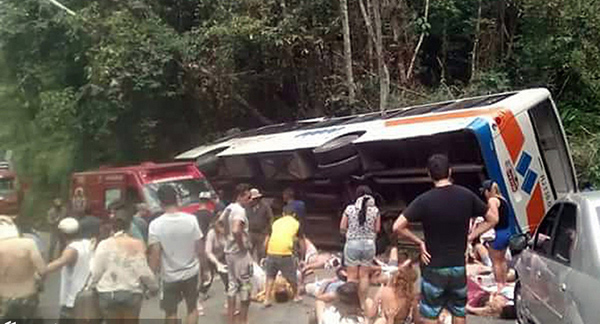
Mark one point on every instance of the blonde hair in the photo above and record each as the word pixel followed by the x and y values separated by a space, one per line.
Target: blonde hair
pixel 495 189
pixel 404 281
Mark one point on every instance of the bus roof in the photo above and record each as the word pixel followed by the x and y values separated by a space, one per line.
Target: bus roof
pixel 393 124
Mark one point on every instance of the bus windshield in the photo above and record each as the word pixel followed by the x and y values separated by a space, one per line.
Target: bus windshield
pixel 7 185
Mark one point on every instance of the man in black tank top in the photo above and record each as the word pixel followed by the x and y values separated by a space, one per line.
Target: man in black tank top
pixel 445 212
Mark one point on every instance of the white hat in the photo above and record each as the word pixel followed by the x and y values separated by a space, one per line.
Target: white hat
pixel 255 193
pixel 205 195
pixel 68 225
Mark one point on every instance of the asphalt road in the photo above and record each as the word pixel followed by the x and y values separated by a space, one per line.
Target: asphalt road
pixel 289 313
pixel 214 308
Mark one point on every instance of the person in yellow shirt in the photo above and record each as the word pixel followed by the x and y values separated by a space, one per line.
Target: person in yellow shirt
pixel 280 254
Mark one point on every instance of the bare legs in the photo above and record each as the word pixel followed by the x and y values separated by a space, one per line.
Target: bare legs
pixel 459 320
pixel 268 292
pixel 231 301
pixel 500 267
pixel 244 307
pixel 363 283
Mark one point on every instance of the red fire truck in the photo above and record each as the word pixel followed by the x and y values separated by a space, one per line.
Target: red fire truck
pixel 138 184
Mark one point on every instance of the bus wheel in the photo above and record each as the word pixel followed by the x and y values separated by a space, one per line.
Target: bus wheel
pixel 342 168
pixel 336 150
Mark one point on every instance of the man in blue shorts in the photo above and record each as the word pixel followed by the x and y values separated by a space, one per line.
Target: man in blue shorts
pixel 445 212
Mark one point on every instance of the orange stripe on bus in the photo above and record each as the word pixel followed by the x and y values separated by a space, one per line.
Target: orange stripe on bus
pixel 535 208
pixel 511 132
pixel 441 116
pixel 512 135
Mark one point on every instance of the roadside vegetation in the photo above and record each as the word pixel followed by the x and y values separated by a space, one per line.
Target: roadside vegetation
pixel 133 80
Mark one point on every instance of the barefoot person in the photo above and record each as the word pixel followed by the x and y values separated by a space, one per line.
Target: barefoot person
pixel 237 254
pixel 361 223
pixel 503 230
pixel 395 300
pixel 342 307
pixel 445 212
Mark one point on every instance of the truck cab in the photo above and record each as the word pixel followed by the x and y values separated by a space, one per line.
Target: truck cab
pixel 99 189
pixel 10 193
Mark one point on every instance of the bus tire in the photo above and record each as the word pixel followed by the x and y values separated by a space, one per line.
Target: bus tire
pixel 208 163
pixel 336 150
pixel 341 168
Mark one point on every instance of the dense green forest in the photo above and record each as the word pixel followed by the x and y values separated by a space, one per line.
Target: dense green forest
pixel 113 82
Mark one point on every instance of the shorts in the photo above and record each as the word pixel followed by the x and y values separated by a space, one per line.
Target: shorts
pixel 240 269
pixel 116 303
pixel 359 253
pixel 502 240
pixel 443 288
pixel 17 309
pixel 172 293
pixel 284 263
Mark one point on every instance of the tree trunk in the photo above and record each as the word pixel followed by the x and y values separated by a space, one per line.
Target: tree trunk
pixel 476 43
pixel 283 8
pixel 444 59
pixel 347 51
pixel 414 58
pixel 399 49
pixel 375 34
pixel 384 74
pixel 501 28
pixel 369 38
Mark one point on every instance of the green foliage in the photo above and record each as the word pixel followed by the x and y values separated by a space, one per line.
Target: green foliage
pixel 133 80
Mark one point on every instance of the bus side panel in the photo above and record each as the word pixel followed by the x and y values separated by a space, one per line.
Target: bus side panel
pixel 523 170
pixel 492 152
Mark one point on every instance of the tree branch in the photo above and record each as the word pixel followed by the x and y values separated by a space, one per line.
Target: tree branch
pixel 255 112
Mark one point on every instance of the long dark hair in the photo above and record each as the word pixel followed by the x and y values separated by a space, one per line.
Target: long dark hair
pixel 348 302
pixel 362 213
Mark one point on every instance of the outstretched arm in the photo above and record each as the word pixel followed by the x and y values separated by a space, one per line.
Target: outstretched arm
pixel 68 257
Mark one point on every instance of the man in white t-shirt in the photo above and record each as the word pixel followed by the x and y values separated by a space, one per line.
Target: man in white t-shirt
pixel 175 245
pixel 74 264
pixel 237 253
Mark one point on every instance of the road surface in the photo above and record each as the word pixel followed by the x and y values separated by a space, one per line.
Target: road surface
pixel 289 313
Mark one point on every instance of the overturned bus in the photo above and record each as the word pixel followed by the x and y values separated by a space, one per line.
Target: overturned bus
pixel 514 138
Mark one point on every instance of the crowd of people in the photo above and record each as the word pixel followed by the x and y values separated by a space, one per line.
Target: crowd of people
pixel 265 256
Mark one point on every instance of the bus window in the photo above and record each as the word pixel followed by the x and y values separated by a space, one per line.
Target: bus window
pixel 553 147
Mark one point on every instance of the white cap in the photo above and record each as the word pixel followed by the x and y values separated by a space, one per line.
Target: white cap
pixel 68 225
pixel 255 193
pixel 205 195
